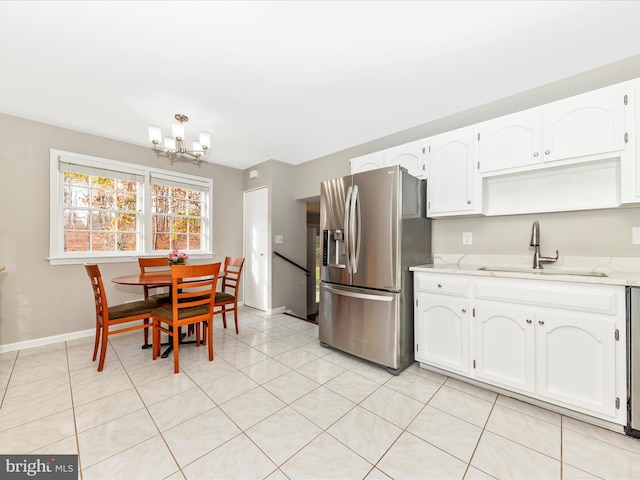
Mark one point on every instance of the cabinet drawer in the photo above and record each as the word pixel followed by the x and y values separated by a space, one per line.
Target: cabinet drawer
pixel 444 284
pixel 586 298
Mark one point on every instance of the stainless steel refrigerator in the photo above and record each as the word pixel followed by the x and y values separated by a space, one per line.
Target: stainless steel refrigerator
pixel 373 228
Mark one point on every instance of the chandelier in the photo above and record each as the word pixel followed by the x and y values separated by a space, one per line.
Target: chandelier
pixel 173 147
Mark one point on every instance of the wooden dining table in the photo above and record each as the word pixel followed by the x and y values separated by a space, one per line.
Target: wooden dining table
pixel 160 278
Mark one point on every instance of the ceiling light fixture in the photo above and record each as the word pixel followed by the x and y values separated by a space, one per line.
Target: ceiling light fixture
pixel 173 147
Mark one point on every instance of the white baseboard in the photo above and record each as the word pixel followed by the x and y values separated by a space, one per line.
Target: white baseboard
pixel 39 342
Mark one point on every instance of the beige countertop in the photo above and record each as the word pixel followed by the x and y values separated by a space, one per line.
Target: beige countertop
pixel 567 272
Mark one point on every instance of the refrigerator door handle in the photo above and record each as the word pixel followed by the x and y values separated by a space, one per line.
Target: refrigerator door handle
pixel 356 238
pixel 347 233
pixel 364 296
pixel 352 230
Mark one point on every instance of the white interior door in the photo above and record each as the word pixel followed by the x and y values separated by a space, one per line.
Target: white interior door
pixel 256 273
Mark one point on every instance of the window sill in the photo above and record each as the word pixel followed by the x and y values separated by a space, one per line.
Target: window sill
pixel 119 259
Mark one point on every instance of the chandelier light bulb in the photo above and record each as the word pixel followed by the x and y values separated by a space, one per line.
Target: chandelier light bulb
pixel 205 140
pixel 155 134
pixel 169 143
pixel 178 131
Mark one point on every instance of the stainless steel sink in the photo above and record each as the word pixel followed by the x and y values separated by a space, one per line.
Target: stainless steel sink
pixel 544 271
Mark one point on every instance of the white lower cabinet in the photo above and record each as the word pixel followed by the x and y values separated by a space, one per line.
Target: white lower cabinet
pixel 442 333
pixel 558 342
pixel 576 360
pixel 505 346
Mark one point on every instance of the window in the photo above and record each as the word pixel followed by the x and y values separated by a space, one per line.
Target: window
pixel 115 211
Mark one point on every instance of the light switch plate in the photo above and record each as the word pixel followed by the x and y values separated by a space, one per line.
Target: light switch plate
pixel 467 238
pixel 635 235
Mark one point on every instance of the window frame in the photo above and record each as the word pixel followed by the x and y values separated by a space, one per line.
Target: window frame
pixel 57 255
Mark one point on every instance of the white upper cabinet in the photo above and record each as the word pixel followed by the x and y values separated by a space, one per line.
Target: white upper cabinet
pixel 410 156
pixel 580 128
pixel 367 162
pixel 589 124
pixel 510 141
pixel 452 188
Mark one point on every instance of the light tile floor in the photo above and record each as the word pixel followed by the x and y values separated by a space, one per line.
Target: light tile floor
pixel 275 404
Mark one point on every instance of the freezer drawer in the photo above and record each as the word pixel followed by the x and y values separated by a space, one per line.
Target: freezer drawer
pixel 365 323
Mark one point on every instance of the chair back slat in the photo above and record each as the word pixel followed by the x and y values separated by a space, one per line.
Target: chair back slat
pixel 99 296
pixel 232 271
pixel 151 264
pixel 194 286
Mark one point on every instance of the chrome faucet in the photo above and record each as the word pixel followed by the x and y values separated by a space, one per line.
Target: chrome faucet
pixel 535 242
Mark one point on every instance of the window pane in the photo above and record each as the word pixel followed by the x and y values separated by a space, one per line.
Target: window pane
pixel 127 201
pixel 101 198
pixel 76 196
pixel 127 222
pixel 195 225
pixel 103 242
pixel 76 219
pixel 127 242
pixel 195 242
pixel 161 241
pixel 103 221
pixel 179 242
pixel 76 241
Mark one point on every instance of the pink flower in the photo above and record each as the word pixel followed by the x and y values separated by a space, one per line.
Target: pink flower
pixel 176 256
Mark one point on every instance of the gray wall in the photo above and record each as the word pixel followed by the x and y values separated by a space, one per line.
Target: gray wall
pixel 39 300
pixel 287 217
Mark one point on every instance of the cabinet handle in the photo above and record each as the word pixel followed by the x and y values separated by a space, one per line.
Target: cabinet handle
pixel 468 202
pixel 464 310
pixel 528 320
pixel 540 322
pixel 547 152
pixel 535 154
pixel 439 285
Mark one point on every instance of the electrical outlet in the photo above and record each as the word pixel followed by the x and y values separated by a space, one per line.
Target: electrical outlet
pixel 467 238
pixel 278 238
pixel 635 235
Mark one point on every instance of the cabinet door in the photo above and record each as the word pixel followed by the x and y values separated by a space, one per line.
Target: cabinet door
pixel 367 162
pixel 410 156
pixel 451 171
pixel 442 332
pixel 590 124
pixel 575 357
pixel 511 141
pixel 505 354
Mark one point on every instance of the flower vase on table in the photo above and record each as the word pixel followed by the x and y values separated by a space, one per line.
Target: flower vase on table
pixel 177 258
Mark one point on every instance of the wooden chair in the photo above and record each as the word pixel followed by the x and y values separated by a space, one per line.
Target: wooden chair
pixel 107 316
pixel 227 299
pixel 193 293
pixel 150 264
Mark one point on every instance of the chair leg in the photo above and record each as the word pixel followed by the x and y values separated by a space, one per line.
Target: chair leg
pixel 209 327
pixel 224 317
pixel 235 315
pixel 103 347
pixel 176 342
pixel 156 339
pixel 146 332
pixel 97 342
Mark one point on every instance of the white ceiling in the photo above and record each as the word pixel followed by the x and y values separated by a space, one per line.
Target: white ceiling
pixel 291 81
